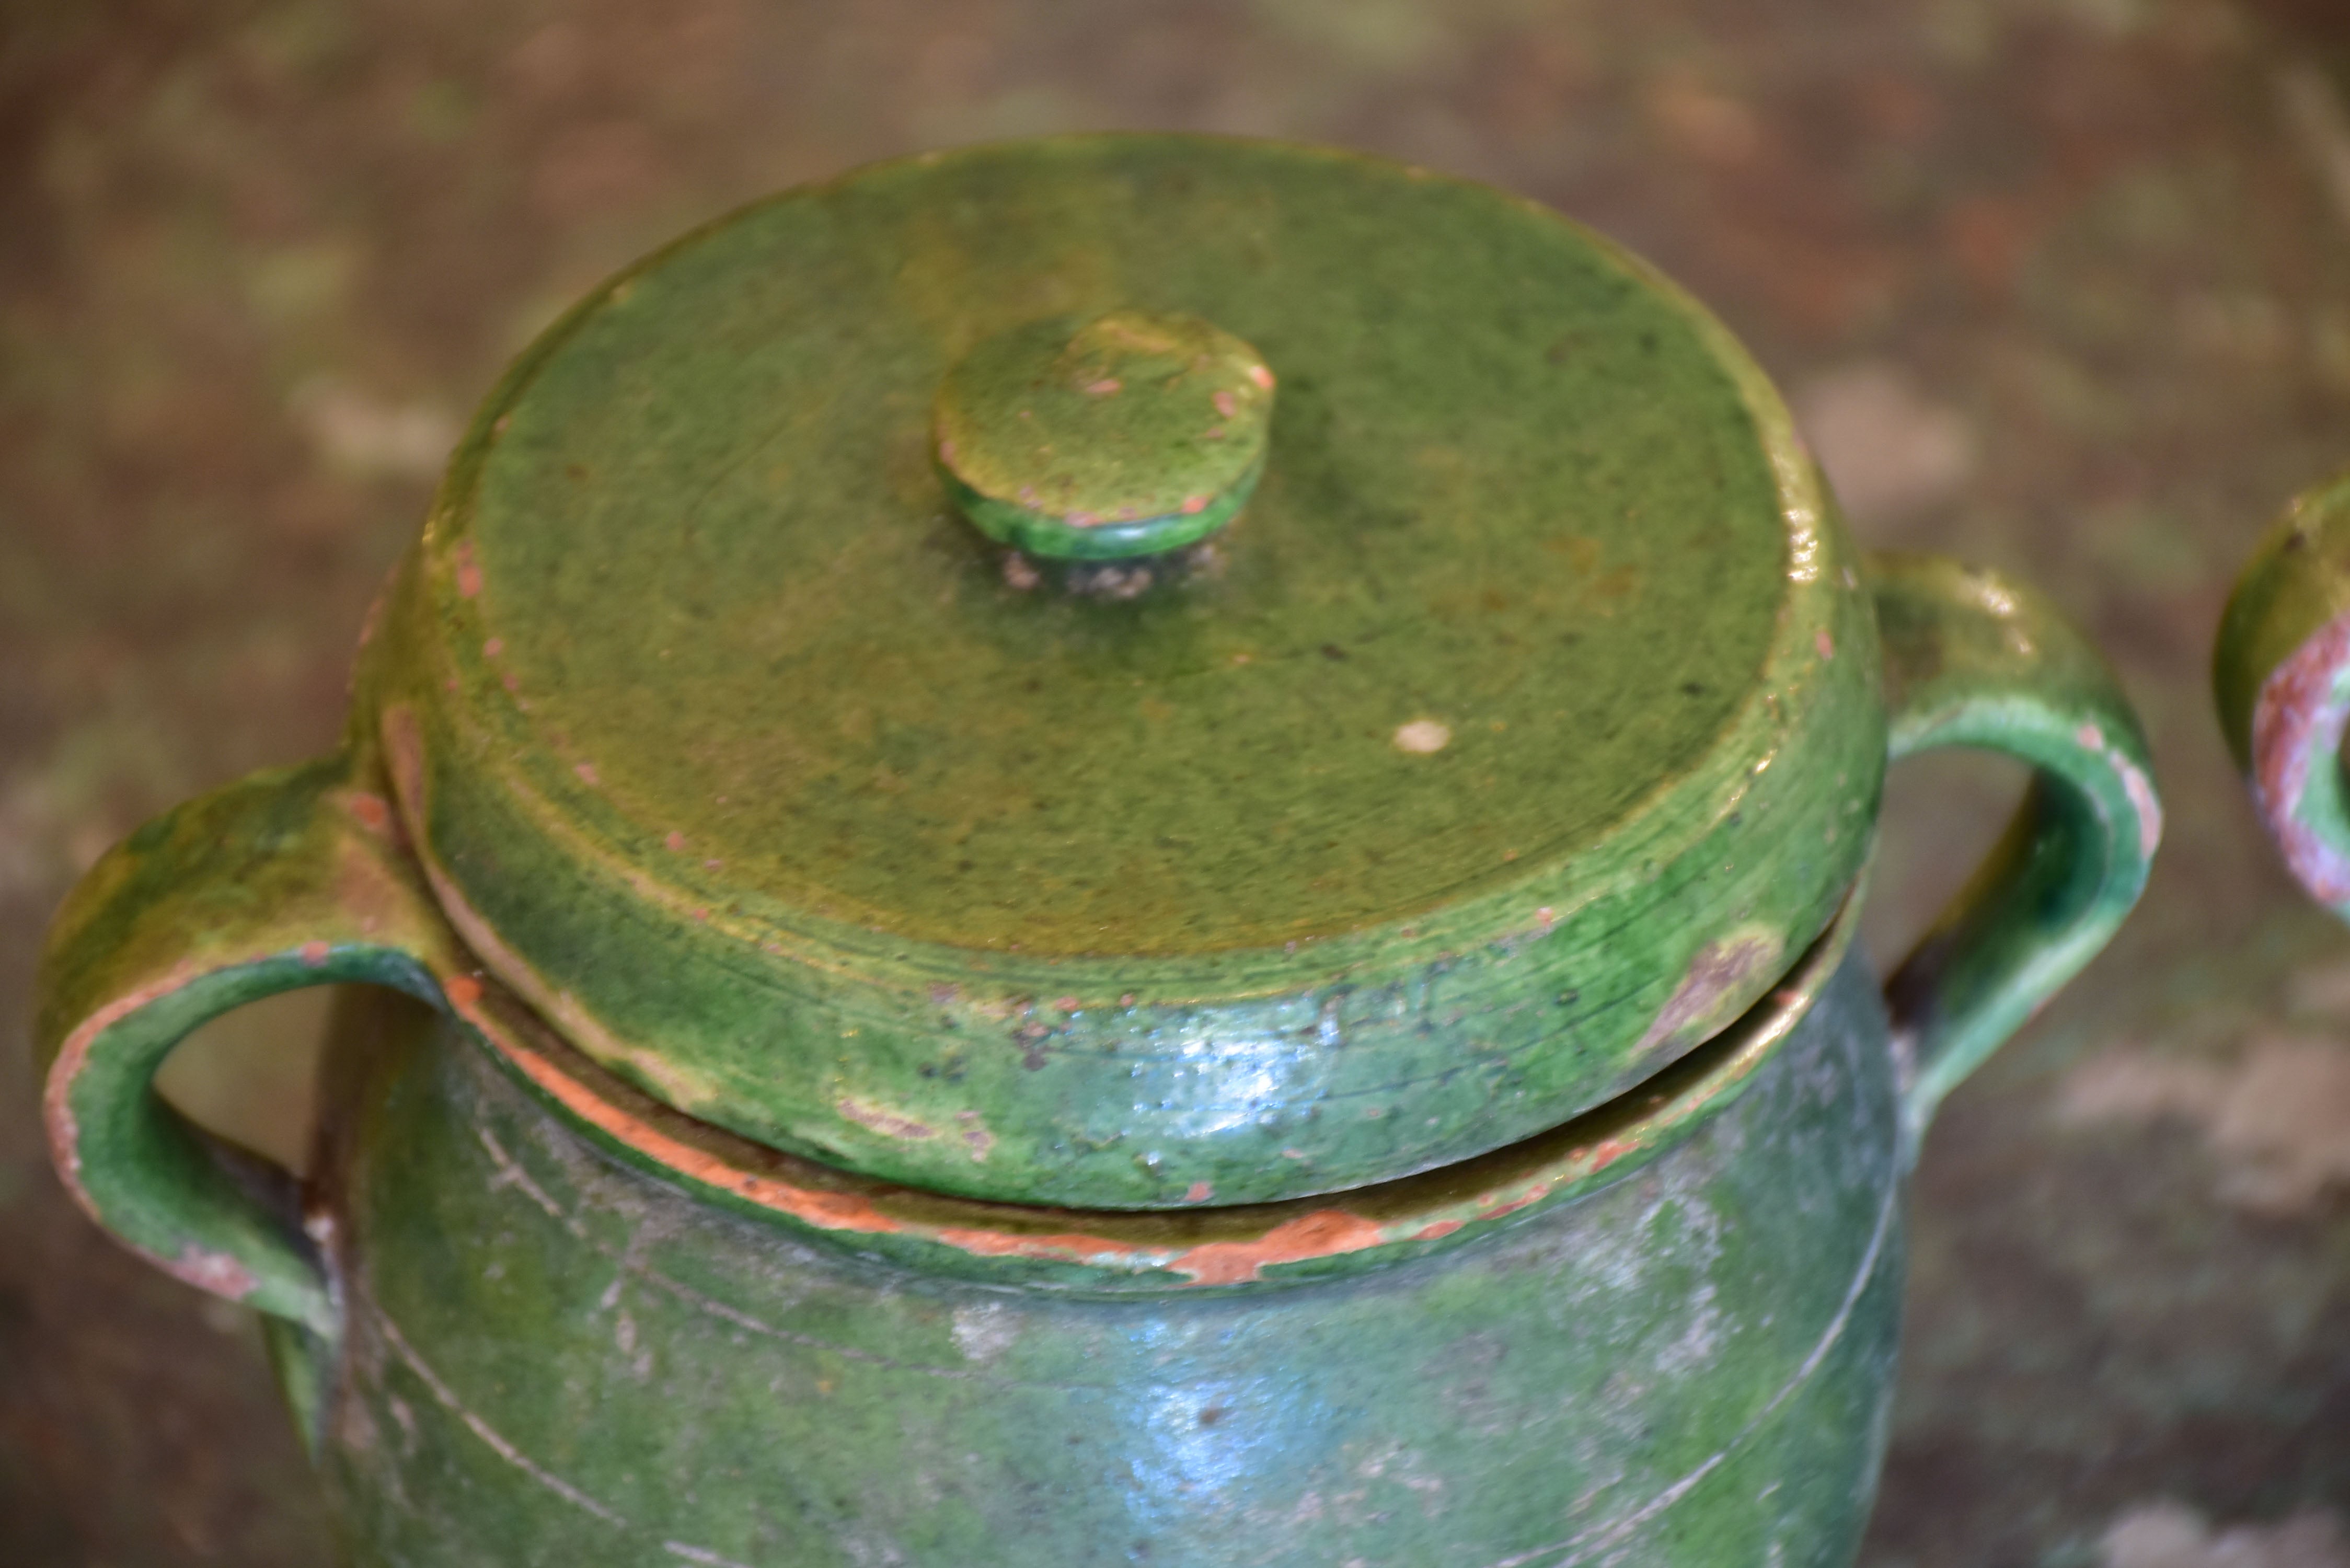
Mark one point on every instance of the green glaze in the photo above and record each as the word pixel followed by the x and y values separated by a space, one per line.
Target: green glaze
pixel 1195 1249
pixel 1512 741
pixel 552 1358
pixel 1470 1232
pixel 1128 435
pixel 554 1317
pixel 2281 671
pixel 1972 659
pixel 286 880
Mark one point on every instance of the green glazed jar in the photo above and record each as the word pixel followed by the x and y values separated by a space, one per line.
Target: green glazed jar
pixel 1125 849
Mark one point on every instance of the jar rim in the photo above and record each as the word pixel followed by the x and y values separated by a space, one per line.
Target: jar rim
pixel 1126 1251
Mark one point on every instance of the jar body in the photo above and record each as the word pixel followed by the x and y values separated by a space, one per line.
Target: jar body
pixel 550 1357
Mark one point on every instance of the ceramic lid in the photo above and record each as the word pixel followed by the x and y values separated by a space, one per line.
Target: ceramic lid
pixel 1495 719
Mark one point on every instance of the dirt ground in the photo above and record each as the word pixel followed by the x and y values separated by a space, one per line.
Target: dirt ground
pixel 2063 286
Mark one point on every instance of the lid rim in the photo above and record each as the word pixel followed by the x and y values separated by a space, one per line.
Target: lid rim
pixel 1223 1250
pixel 703 1051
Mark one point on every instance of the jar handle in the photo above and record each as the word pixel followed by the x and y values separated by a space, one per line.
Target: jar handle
pixel 2281 671
pixel 1974 659
pixel 287 878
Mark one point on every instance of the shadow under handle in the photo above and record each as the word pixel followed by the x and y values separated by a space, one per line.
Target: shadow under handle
pixel 287 878
pixel 1974 659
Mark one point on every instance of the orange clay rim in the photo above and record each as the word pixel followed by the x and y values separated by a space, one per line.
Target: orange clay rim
pixel 1123 1252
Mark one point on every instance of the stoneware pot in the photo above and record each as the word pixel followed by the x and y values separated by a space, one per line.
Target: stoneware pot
pixel 1133 849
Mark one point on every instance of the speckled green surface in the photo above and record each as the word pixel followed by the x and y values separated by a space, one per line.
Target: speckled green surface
pixel 1102 438
pixel 991 888
pixel 1685 1370
pixel 2061 285
pixel 1767 1162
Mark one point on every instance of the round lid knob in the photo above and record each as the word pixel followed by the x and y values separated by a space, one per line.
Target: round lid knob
pixel 1131 434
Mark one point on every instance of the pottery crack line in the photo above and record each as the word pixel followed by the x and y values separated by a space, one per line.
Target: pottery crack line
pixel 511 1174
pixel 487 1433
pixel 520 1460
pixel 724 1313
pixel 1602 1536
pixel 708 1558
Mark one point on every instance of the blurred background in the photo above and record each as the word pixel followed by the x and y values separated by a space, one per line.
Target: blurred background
pixel 2060 286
